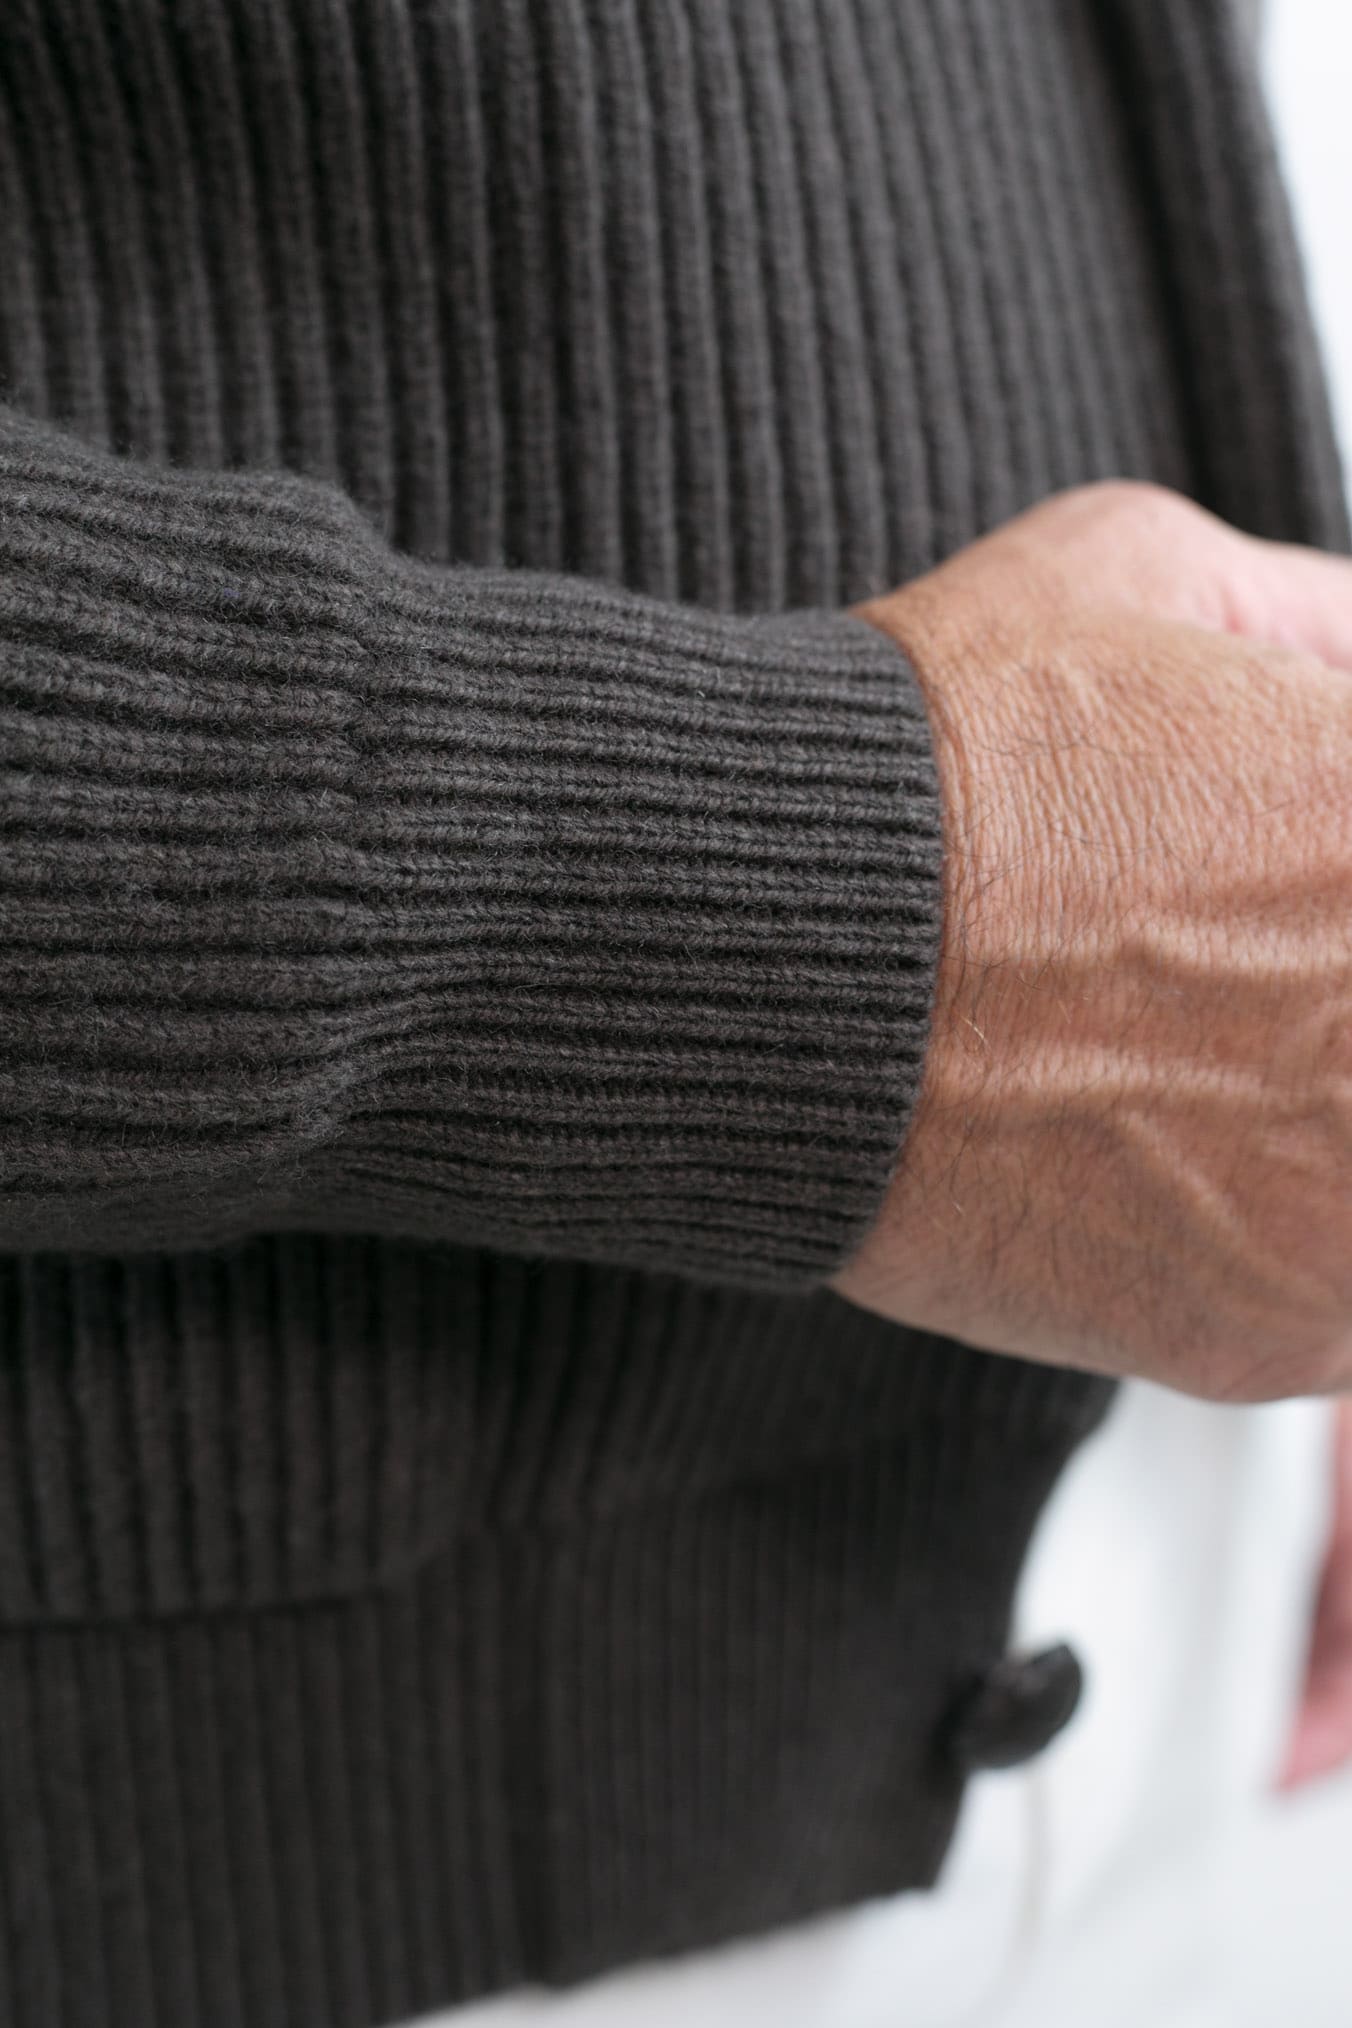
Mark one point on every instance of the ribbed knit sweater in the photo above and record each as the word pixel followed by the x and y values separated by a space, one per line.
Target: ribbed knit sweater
pixel 470 899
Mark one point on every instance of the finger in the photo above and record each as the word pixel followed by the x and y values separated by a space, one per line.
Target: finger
pixel 1322 1740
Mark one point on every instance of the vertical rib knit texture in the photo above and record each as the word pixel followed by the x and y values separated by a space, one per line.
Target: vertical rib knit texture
pixel 469 898
pixel 457 898
pixel 290 1419
pixel 552 1751
pixel 353 893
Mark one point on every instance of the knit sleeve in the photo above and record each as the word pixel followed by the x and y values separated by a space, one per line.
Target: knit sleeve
pixel 342 891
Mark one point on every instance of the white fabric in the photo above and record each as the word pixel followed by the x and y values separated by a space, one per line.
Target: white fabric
pixel 1178 1556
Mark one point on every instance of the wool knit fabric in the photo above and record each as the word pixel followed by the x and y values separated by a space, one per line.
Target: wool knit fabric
pixel 470 899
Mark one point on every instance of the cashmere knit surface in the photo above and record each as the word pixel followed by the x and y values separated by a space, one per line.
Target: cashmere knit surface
pixel 470 898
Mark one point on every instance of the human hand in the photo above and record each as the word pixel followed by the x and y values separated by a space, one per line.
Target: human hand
pixel 1132 1150
pixel 1321 1739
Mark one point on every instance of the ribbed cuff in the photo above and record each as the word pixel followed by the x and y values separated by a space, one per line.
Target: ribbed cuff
pixel 347 891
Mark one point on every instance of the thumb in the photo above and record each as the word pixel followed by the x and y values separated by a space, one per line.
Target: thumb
pixel 1321 1740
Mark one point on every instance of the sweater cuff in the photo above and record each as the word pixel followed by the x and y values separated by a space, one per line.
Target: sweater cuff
pixel 447 903
pixel 674 882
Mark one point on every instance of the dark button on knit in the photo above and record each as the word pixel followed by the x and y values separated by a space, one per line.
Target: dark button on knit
pixel 1016 1709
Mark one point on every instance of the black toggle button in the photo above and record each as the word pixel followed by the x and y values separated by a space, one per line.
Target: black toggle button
pixel 1016 1709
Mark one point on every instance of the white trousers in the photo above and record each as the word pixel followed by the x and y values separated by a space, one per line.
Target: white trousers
pixel 1093 1888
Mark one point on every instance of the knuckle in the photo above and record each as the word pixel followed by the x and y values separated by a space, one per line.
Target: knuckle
pixel 1143 501
pixel 1132 516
